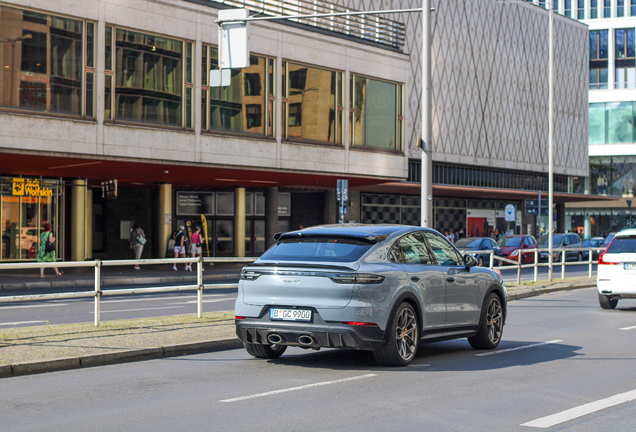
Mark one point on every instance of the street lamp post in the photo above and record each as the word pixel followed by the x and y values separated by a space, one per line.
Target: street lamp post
pixel 550 138
pixel 426 175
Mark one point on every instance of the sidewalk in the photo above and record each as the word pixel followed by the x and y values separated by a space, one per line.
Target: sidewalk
pixel 119 275
pixel 42 349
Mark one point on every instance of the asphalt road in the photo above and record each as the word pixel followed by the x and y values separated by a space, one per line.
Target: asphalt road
pixel 560 366
pixel 66 311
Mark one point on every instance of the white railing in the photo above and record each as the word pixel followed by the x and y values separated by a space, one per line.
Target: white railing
pixel 98 293
pixel 536 262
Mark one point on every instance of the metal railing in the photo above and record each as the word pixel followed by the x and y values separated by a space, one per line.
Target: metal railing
pixel 98 293
pixel 519 262
pixel 373 28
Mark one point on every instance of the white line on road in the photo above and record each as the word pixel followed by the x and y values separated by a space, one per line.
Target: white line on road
pixel 571 414
pixel 517 348
pixel 298 388
pixel 214 300
pixel 35 306
pixel 141 309
pixel 628 328
pixel 20 322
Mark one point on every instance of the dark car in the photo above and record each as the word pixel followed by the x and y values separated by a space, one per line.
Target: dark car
pixel 477 244
pixel 595 242
pixel 514 246
pixel 560 241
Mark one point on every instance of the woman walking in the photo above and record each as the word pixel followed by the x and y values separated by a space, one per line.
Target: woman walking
pixel 195 248
pixel 47 249
pixel 137 242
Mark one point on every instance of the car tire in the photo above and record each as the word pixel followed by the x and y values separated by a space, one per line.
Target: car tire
pixel 403 338
pixel 607 302
pixel 480 261
pixel 491 326
pixel 264 351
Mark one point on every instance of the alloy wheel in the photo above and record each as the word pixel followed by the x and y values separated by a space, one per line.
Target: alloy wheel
pixel 494 320
pixel 407 337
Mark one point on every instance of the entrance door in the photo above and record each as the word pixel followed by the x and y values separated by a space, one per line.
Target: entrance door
pixel 10 227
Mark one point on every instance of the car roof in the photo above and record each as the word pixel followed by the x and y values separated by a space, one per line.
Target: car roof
pixel 352 230
pixel 516 235
pixel 477 238
pixel 626 232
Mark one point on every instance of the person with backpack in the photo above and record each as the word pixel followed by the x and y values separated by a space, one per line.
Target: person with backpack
pixel 195 246
pixel 47 249
pixel 137 242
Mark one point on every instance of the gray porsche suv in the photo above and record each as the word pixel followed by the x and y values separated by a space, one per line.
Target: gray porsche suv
pixel 381 288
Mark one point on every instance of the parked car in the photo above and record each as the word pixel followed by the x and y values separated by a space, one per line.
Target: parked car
pixel 479 243
pixel 567 241
pixel 617 269
pixel 594 242
pixel 609 239
pixel 380 288
pixel 515 246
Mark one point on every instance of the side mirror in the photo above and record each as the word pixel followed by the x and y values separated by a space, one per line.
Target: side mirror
pixel 469 261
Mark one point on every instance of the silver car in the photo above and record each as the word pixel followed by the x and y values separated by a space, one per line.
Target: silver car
pixel 380 288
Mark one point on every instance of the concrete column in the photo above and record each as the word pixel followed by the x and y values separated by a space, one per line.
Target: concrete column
pixel 164 216
pixel 78 220
pixel 588 186
pixel 239 221
pixel 331 208
pixel 271 215
pixel 89 224
pixel 560 209
pixel 587 227
pixel 611 57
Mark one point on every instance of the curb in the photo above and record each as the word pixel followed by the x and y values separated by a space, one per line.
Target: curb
pixel 37 367
pixel 114 281
pixel 68 363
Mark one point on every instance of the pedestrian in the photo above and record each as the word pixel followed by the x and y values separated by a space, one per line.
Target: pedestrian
pixel 496 234
pixel 195 246
pixel 47 249
pixel 179 245
pixel 461 233
pixel 137 242
pixel 455 236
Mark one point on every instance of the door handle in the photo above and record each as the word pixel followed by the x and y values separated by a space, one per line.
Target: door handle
pixel 450 279
pixel 415 278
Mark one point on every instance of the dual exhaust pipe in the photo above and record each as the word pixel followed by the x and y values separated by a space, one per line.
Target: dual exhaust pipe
pixel 304 340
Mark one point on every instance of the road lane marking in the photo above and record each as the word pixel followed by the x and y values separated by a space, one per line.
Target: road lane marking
pixel 140 309
pixel 20 322
pixel 34 306
pixel 517 348
pixel 571 414
pixel 628 328
pixel 213 300
pixel 275 392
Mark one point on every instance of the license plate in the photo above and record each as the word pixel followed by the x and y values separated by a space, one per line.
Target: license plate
pixel 289 315
pixel 629 266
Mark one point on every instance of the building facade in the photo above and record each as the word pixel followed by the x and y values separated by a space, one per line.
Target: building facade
pixel 108 119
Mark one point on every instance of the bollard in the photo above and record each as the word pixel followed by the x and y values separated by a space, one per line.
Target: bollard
pixel 492 259
pixel 519 269
pixel 98 291
pixel 536 264
pixel 590 260
pixel 563 264
pixel 200 287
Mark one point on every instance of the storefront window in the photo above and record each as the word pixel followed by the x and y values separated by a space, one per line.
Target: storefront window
pixel 313 104
pixel 41 58
pixel 597 123
pixel 242 106
pixel 149 84
pixel 376 118
pixel 618 122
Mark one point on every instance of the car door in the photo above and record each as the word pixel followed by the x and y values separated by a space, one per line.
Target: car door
pixel 424 276
pixel 462 289
pixel 575 243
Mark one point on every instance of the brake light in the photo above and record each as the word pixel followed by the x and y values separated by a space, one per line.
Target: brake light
pixel 249 275
pixel 601 261
pixel 357 278
pixel 361 324
pixel 240 317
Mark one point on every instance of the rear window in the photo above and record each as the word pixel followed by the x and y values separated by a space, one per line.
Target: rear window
pixel 468 243
pixel 317 249
pixel 622 245
pixel 509 242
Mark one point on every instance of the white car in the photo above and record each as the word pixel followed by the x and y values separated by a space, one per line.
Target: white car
pixel 616 275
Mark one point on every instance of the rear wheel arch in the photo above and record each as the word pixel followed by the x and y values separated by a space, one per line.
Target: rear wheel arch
pixel 409 298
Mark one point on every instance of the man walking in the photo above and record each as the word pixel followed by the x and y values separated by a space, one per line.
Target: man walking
pixel 179 245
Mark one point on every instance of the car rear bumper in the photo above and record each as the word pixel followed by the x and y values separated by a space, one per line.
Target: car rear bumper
pixel 617 287
pixel 327 335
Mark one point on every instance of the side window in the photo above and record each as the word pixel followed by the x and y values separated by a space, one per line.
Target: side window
pixel 566 240
pixel 492 245
pixel 413 250
pixel 526 241
pixel 394 253
pixel 444 253
pixel 574 239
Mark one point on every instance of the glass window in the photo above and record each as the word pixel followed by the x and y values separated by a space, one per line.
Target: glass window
pixel 224 236
pixel 148 79
pixel 633 8
pixel 581 9
pixel 593 44
pixel 313 104
pixel 593 9
pixel 568 8
pixel 318 249
pixel 620 43
pixel 607 9
pixel 42 66
pixel 597 123
pixel 225 203
pixel 413 250
pixel 620 8
pixel 445 254
pixel 619 122
pixel 259 236
pixel 376 118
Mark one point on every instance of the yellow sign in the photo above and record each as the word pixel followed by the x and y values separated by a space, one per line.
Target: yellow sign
pixel 30 187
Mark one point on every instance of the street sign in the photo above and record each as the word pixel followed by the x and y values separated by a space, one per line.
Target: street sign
pixel 532 207
pixel 509 213
pixel 534 211
pixel 234 39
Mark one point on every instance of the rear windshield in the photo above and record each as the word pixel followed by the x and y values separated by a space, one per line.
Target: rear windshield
pixel 509 241
pixel 622 245
pixel 545 240
pixel 591 243
pixel 468 243
pixel 317 249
